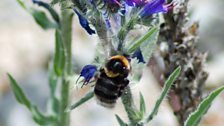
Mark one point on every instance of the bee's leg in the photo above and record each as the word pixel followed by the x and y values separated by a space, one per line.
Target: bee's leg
pixel 124 84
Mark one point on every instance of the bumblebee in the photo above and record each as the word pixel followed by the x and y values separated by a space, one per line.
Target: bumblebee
pixel 112 80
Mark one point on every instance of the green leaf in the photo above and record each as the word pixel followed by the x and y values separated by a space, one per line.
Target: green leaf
pixel 20 96
pixel 55 105
pixel 42 20
pixel 59 57
pixel 41 119
pixel 126 28
pixel 149 46
pixel 22 4
pixel 135 115
pixel 53 13
pixel 164 92
pixel 138 43
pixel 142 104
pixel 132 112
pixel 87 97
pixel 40 17
pixel 120 121
pixel 195 117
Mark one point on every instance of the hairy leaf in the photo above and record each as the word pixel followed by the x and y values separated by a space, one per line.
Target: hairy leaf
pixel 164 92
pixel 41 119
pixel 120 121
pixel 42 20
pixel 135 115
pixel 138 43
pixel 18 92
pixel 40 17
pixel 126 28
pixel 142 104
pixel 195 117
pixel 53 13
pixel 37 116
pixel 87 97
pixel 149 46
pixel 21 98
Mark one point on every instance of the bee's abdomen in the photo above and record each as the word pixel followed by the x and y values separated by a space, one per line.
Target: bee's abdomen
pixel 108 90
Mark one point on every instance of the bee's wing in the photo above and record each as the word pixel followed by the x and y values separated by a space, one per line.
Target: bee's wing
pixel 102 53
pixel 136 71
pixel 147 47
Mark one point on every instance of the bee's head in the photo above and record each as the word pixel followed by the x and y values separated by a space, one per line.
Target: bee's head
pixel 117 65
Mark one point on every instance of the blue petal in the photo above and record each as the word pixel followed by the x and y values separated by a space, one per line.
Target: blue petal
pixel 88 73
pixel 84 23
pixel 138 54
pixel 107 21
pixel 37 2
pixel 152 7
pixel 136 3
pixel 111 2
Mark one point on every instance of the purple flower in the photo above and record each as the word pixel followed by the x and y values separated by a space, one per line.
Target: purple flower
pixel 136 3
pixel 87 72
pixel 84 23
pixel 113 2
pixel 155 6
pixel 138 54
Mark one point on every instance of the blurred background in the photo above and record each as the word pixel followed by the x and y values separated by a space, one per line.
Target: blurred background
pixel 26 49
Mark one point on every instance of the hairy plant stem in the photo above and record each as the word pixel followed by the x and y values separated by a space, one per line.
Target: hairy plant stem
pixel 128 103
pixel 66 32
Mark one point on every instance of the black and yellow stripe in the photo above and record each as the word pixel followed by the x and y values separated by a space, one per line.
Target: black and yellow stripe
pixel 123 59
pixel 107 90
pixel 120 59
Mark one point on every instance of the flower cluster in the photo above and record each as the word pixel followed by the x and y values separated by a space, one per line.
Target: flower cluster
pixel 148 8
pixel 136 3
pixel 145 8
pixel 155 6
